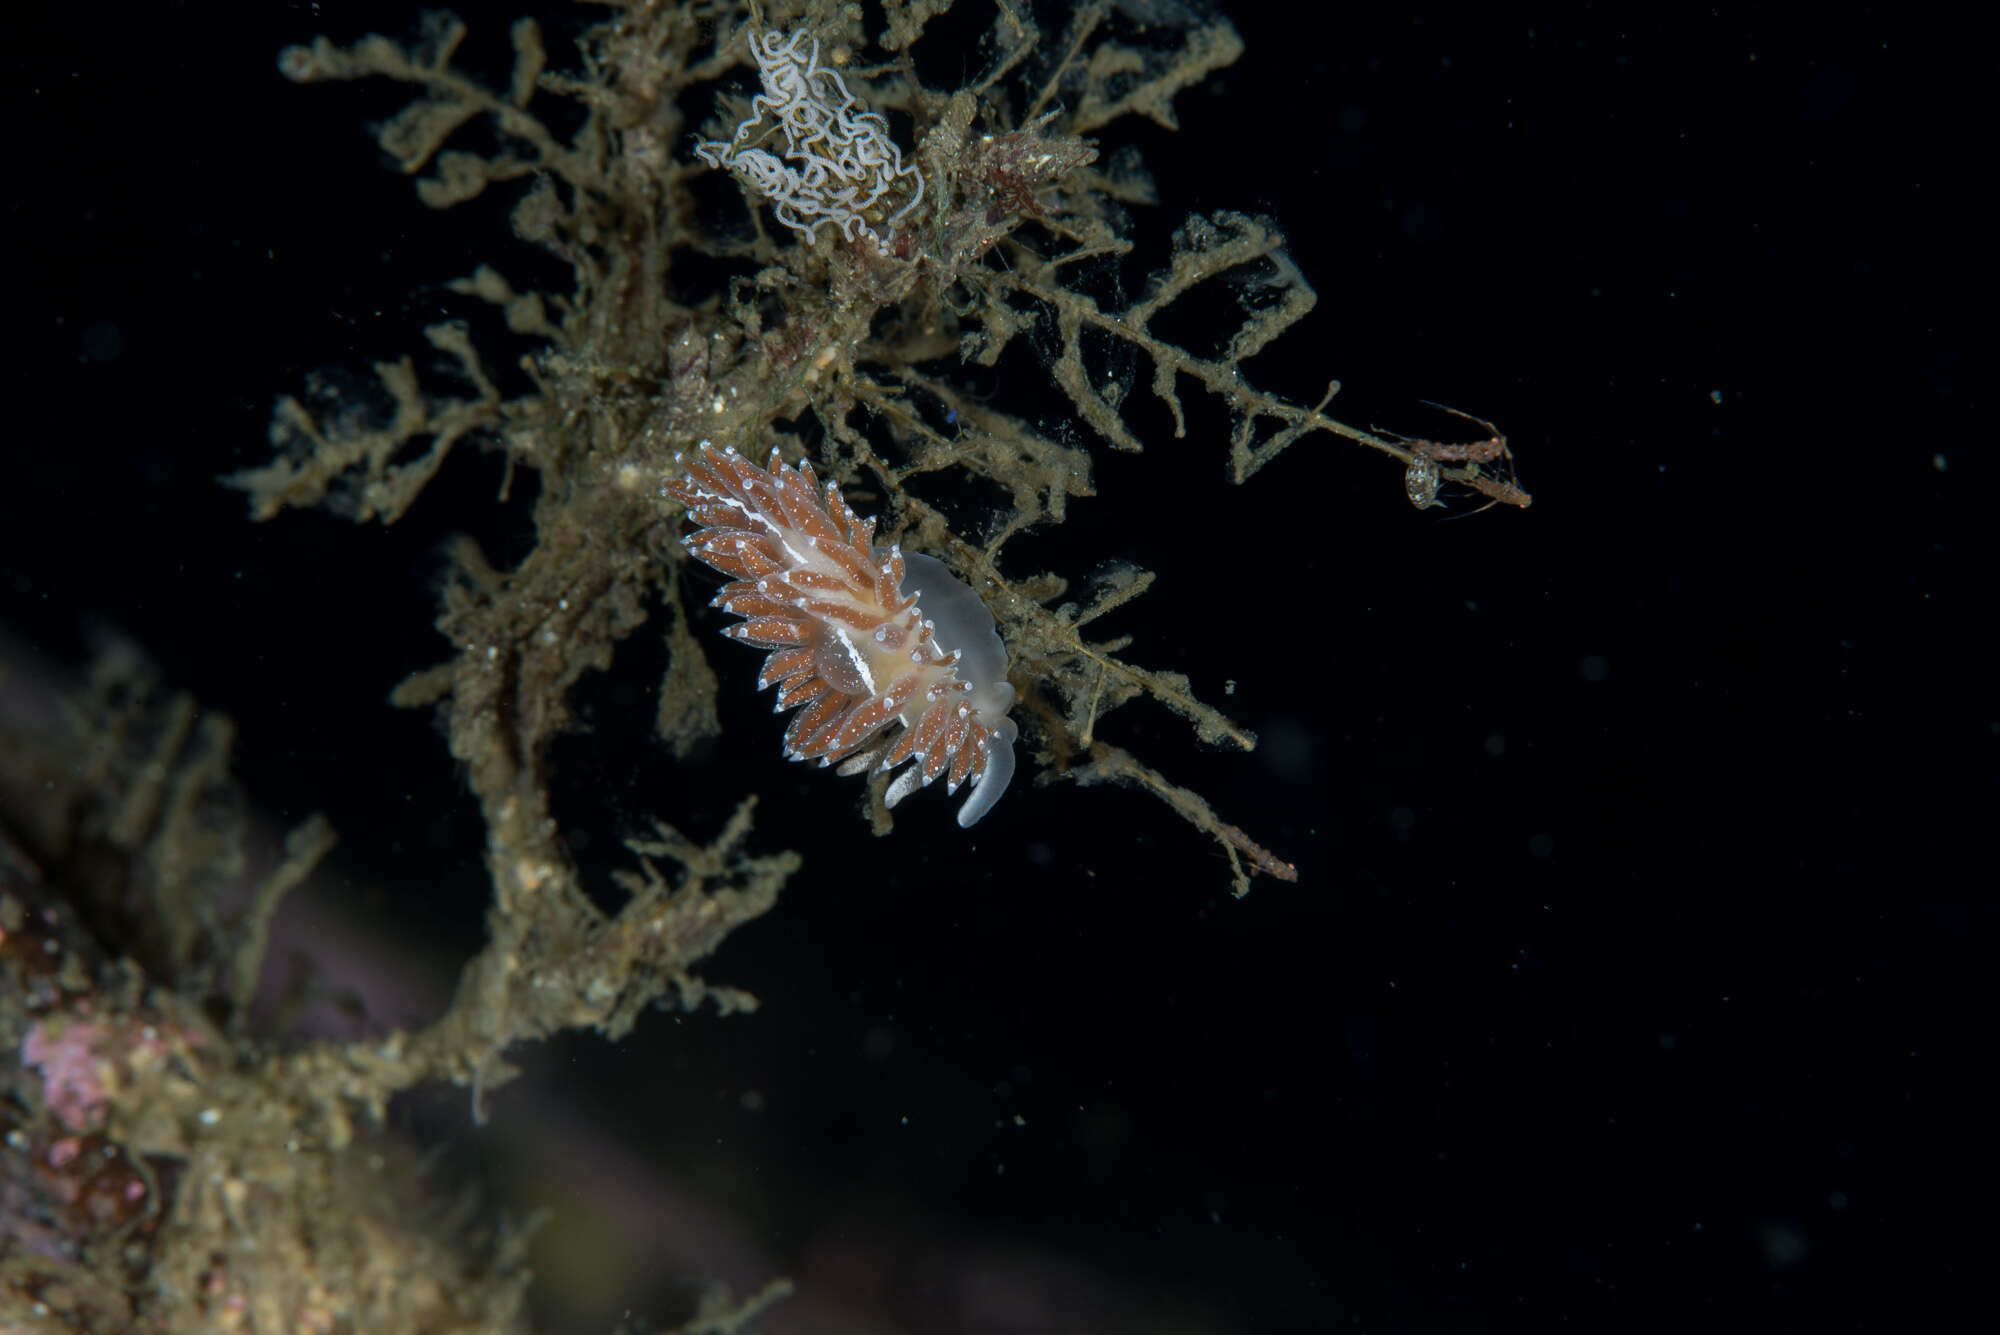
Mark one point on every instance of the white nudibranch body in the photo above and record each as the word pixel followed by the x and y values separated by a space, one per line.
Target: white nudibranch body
pixel 859 638
pixel 965 628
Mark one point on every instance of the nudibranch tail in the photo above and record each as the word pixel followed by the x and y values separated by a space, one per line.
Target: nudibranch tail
pixel 852 647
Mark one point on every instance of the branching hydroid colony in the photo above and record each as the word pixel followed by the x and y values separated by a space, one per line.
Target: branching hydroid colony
pixel 830 352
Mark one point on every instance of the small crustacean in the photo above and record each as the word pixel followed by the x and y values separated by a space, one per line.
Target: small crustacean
pixel 1421 475
pixel 859 638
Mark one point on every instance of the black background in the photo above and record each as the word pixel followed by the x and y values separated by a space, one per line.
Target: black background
pixel 1628 981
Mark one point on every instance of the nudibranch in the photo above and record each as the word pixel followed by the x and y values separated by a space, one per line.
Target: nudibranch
pixel 859 638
